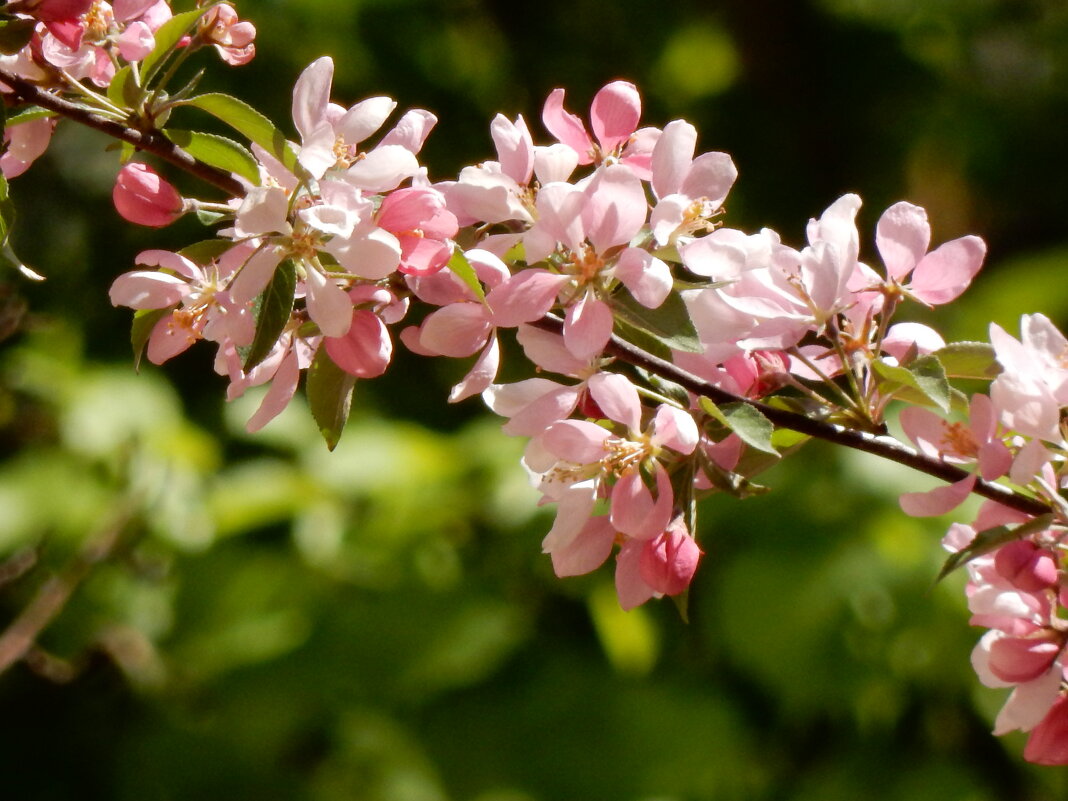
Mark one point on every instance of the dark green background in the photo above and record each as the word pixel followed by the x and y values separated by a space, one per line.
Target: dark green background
pixel 378 624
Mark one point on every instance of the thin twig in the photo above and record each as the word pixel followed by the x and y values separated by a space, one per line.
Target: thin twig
pixel 149 141
pixel 879 445
pixel 19 638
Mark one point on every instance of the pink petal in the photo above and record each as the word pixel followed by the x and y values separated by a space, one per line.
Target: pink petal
pixel 311 95
pixel 566 126
pixel 456 330
pixel 710 178
pixel 675 429
pixel 617 398
pixel 329 305
pixel 1048 743
pixel 937 501
pixel 902 237
pixel 147 290
pixel 946 272
pixel 668 562
pixel 577 441
pixel 614 114
pixel 587 327
pixel 616 207
pixel 525 297
pixel 587 551
pixel 481 375
pixel 515 148
pixel 630 586
pixel 672 156
pixel 634 510
pixel 283 388
pixel 364 118
pixel 647 277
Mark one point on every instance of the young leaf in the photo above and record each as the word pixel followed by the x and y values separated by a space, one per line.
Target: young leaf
pixel 923 381
pixel 167 37
pixel 144 321
pixel 207 250
pixel 462 269
pixel 217 151
pixel 123 90
pixel 751 426
pixel 272 308
pixel 968 360
pixel 990 538
pixel 246 120
pixel 15 34
pixel 329 391
pixel 669 323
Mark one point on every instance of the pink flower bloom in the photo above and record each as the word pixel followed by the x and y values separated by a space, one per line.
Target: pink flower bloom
pixel 231 36
pixel 141 195
pixel 417 217
pixel 902 238
pixel 614 116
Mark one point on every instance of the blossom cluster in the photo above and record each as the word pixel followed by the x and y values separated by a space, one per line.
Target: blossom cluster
pixel 611 239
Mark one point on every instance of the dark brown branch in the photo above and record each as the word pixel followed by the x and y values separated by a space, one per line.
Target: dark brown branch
pixel 19 638
pixel 149 141
pixel 883 446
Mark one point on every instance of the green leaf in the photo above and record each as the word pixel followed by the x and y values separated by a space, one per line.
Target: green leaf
pixel 462 269
pixel 990 538
pixel 15 34
pixel 748 422
pixel 28 114
pixel 206 251
pixel 669 323
pixel 641 338
pixel 123 90
pixel 217 151
pixel 968 360
pixel 144 321
pixel 246 120
pixel 168 36
pixel 272 308
pixel 924 381
pixel 329 392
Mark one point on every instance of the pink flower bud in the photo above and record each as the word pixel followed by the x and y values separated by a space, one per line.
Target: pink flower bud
pixel 142 196
pixel 669 561
pixel 1026 566
pixel 1048 743
pixel 52 10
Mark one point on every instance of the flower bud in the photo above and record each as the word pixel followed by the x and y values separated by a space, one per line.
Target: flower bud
pixel 142 196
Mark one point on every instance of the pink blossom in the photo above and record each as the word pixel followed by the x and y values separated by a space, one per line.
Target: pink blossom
pixel 417 217
pixel 231 36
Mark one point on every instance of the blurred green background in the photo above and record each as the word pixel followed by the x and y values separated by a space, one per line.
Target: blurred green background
pixel 272 621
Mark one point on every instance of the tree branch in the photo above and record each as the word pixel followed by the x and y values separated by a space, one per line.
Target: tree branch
pixel 883 446
pixel 149 141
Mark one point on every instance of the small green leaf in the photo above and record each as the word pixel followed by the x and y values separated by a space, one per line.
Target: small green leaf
pixel 968 360
pixel 167 36
pixel 462 269
pixel 15 34
pixel 28 114
pixel 272 308
pixel 123 90
pixel 329 390
pixel 206 251
pixel 246 120
pixel 924 381
pixel 669 323
pixel 748 422
pixel 990 538
pixel 144 321
pixel 217 151
pixel 640 338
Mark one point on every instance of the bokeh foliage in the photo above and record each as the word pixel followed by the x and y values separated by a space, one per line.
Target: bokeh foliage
pixel 254 617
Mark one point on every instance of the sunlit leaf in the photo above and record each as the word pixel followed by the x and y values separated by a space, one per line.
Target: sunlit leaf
pixel 968 360
pixel 329 391
pixel 923 381
pixel 751 426
pixel 668 324
pixel 246 120
pixel 273 308
pixel 217 151
pixel 462 269
pixel 167 37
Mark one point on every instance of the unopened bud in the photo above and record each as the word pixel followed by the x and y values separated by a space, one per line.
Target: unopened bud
pixel 143 196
